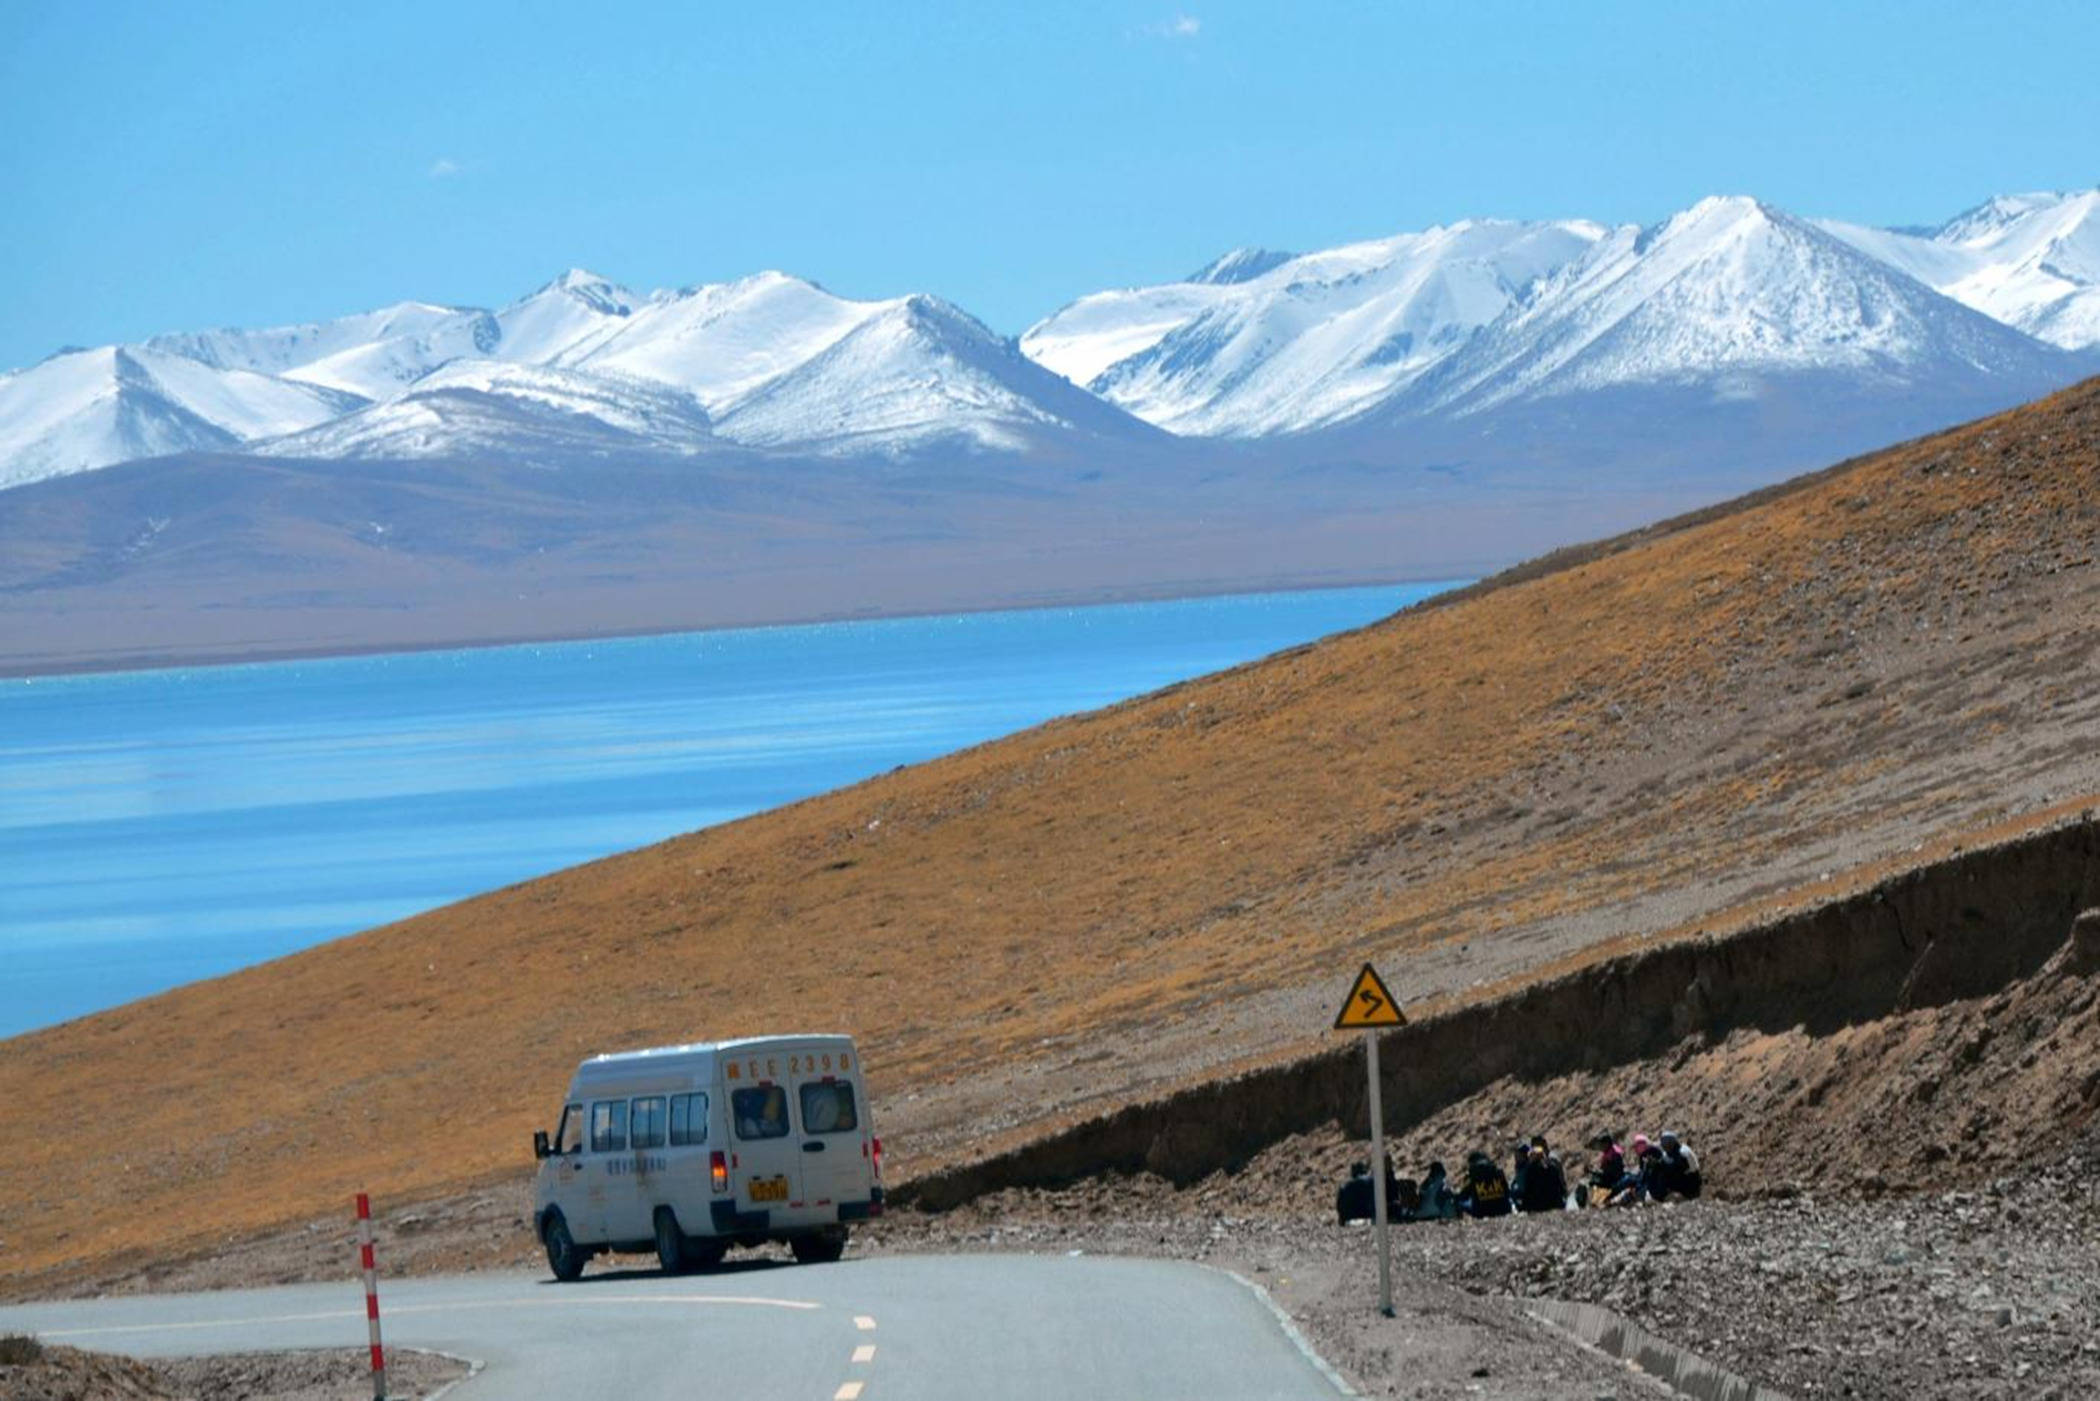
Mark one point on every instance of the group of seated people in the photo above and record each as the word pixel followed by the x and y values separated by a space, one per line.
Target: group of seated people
pixel 1648 1171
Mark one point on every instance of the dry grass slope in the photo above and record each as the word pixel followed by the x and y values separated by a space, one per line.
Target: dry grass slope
pixel 1666 733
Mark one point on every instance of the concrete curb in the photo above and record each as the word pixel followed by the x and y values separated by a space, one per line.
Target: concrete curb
pixel 1685 1372
pixel 1290 1330
pixel 472 1364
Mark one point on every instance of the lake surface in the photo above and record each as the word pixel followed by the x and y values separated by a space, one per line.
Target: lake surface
pixel 162 826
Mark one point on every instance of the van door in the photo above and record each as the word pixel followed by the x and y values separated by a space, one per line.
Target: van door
pixel 833 1140
pixel 605 1186
pixel 766 1172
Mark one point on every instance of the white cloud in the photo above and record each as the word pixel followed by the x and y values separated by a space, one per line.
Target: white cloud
pixel 1179 27
pixel 443 167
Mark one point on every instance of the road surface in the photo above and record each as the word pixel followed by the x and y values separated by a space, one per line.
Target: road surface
pixel 899 1328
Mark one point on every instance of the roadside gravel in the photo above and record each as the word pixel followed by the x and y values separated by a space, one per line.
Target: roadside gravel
pixel 69 1374
pixel 1977 1293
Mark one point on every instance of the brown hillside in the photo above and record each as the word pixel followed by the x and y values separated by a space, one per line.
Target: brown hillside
pixel 1647 736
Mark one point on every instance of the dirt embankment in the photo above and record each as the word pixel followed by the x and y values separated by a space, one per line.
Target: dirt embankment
pixel 1673 733
pixel 1857 1036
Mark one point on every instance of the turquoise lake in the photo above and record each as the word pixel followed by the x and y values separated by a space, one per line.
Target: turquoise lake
pixel 162 826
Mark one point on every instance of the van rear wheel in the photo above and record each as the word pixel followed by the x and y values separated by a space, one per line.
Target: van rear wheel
pixel 671 1251
pixel 820 1248
pixel 564 1256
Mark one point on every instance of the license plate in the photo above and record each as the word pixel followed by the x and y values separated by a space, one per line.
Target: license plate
pixel 771 1189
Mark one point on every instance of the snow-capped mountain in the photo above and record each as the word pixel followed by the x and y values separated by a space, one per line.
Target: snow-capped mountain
pixel 722 341
pixel 581 365
pixel 567 316
pixel 478 407
pixel 915 371
pixel 1729 301
pixel 1720 295
pixel 372 354
pixel 88 408
pixel 1252 347
pixel 2031 261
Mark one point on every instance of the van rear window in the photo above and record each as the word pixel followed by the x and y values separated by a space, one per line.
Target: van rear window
pixel 609 1126
pixel 827 1107
pixel 645 1126
pixel 760 1111
pixel 688 1119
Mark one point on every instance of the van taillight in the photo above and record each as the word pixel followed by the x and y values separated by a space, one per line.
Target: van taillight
pixel 878 1160
pixel 718 1170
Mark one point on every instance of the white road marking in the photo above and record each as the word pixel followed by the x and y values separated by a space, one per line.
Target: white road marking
pixel 398 1309
pixel 864 1353
pixel 864 1323
pixel 849 1392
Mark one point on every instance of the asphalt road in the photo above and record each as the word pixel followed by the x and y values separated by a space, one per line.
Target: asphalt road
pixel 901 1328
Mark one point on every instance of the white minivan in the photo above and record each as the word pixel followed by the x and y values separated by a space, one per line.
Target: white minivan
pixel 693 1149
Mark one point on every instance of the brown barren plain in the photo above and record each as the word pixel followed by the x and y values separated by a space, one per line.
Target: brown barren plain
pixel 1673 732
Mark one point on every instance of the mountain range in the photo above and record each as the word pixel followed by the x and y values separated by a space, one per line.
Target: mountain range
pixel 1732 300
pixel 590 459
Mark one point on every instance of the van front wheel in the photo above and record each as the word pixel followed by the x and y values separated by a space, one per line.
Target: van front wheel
pixel 564 1257
pixel 821 1248
pixel 670 1242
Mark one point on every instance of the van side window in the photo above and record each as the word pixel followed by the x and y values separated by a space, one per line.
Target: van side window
pixel 609 1126
pixel 568 1134
pixel 760 1111
pixel 688 1119
pixel 645 1126
pixel 827 1107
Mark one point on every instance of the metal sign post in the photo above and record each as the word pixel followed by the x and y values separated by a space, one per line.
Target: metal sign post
pixel 1385 1254
pixel 1369 1007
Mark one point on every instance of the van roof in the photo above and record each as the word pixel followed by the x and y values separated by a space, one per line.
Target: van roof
pixel 665 1056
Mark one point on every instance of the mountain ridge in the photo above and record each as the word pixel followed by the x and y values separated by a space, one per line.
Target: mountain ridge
pixel 1258 345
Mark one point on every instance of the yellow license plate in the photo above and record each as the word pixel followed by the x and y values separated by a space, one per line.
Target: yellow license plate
pixel 774 1189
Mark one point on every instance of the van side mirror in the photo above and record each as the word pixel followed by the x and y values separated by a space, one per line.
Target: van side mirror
pixel 539 1143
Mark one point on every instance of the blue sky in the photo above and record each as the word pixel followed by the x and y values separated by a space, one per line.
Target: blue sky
pixel 170 167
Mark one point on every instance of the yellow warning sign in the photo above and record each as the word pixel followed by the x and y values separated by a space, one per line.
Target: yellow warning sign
pixel 1370 1004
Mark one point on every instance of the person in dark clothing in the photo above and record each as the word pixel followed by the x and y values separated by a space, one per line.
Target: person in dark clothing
pixel 1545 1184
pixel 1486 1190
pixel 1357 1200
pixel 1437 1201
pixel 1519 1173
pixel 1680 1168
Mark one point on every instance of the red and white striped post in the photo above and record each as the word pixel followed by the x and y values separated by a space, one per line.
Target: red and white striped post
pixel 364 1251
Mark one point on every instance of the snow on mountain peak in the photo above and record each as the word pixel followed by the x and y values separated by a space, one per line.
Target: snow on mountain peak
pixel 1240 265
pixel 1727 289
pixel 1447 321
pixel 93 408
pixel 2031 261
pixel 1310 341
pixel 915 373
pixel 601 294
pixel 494 406
pixel 1989 220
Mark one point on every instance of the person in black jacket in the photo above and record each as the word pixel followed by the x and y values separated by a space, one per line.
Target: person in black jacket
pixel 1680 1168
pixel 1519 1174
pixel 1356 1199
pixel 1486 1192
pixel 1545 1183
